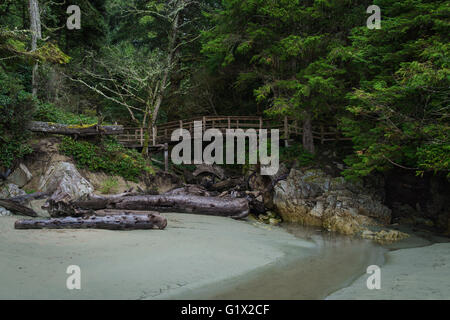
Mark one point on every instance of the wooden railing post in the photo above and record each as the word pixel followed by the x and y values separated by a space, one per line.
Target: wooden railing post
pixel 260 122
pixel 154 129
pixel 229 123
pixel 181 124
pixel 204 123
pixel 141 136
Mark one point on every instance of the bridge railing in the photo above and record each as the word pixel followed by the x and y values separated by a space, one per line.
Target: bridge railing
pixel 288 127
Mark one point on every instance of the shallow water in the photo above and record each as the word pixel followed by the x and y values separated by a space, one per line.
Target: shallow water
pixel 333 263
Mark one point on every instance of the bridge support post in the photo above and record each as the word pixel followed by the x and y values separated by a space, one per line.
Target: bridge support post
pixel 166 157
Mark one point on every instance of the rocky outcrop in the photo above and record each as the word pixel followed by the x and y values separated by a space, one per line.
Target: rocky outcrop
pixel 20 176
pixel 65 178
pixel 384 235
pixel 312 197
pixel 11 190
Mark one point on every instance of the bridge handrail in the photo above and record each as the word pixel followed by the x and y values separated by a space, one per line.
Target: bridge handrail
pixel 287 126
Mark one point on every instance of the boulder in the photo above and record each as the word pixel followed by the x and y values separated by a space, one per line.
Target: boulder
pixel 20 176
pixel 11 190
pixel 37 205
pixel 65 178
pixel 162 182
pixel 209 169
pixel 312 197
pixel 4 212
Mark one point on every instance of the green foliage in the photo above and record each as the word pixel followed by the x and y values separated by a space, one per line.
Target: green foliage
pixel 107 156
pixel 16 107
pixel 50 113
pixel 398 116
pixel 109 186
pixel 296 153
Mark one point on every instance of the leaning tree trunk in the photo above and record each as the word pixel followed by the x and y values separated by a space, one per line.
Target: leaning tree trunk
pixel 308 139
pixel 81 131
pixel 35 27
pixel 116 222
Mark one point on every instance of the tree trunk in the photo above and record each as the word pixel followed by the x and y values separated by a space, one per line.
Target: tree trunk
pixel 35 27
pixel 308 139
pixel 55 128
pixel 146 142
pixel 116 222
pixel 166 74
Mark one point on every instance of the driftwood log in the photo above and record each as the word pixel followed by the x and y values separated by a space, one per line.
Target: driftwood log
pixel 114 212
pixel 187 203
pixel 56 128
pixel 116 222
pixel 17 208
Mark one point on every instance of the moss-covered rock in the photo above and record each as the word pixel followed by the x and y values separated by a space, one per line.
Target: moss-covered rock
pixel 314 198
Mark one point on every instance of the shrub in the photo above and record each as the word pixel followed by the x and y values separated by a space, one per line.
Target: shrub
pixel 109 185
pixel 16 107
pixel 108 156
pixel 50 113
pixel 298 153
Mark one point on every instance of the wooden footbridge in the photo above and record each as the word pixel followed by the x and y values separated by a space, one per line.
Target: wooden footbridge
pixel 289 128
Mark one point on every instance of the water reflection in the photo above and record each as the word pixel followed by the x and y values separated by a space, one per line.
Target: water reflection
pixel 335 262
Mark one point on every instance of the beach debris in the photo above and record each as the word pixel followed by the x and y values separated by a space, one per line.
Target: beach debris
pixel 112 222
pixel 183 203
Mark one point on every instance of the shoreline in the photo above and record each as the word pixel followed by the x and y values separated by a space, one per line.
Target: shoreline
pixel 409 274
pixel 192 251
pixel 333 263
pixel 209 257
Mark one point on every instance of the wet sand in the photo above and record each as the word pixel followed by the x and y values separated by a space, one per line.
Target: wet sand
pixel 204 257
pixel 192 251
pixel 411 274
pixel 333 263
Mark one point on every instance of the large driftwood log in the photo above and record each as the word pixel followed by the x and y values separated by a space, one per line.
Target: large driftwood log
pixel 28 197
pixel 116 222
pixel 115 212
pixel 187 203
pixel 17 208
pixel 56 128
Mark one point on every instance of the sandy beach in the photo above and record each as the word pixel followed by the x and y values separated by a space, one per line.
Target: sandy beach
pixel 192 251
pixel 415 273
pixel 206 257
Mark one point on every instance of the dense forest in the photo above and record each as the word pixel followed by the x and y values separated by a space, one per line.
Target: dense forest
pixel 143 62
